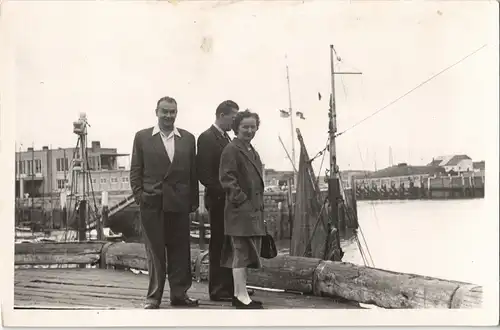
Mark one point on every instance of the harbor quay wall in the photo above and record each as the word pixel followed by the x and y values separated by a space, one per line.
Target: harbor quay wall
pixel 468 185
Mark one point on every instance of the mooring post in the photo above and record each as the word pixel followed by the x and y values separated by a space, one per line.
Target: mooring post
pixel 354 203
pixel 429 190
pixel 281 218
pixel 82 214
pixel 290 205
pixel 82 232
pixel 463 186
pixel 201 227
pixel 64 212
pixel 103 220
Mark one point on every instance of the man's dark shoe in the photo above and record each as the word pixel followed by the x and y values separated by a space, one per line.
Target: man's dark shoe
pixel 184 302
pixel 151 306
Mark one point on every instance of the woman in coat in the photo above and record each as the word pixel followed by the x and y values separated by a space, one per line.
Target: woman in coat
pixel 240 175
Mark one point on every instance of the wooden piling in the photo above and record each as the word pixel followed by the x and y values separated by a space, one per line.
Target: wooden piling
pixel 103 220
pixel 82 215
pixel 64 212
pixel 353 198
pixel 429 189
pixel 201 229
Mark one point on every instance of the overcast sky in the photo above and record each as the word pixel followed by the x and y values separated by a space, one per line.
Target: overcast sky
pixel 114 60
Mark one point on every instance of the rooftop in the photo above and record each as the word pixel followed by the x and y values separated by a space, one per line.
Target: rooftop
pixel 404 169
pixel 95 147
pixel 450 160
pixel 456 159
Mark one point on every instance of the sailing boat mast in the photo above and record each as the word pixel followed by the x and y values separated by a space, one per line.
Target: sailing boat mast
pixel 32 181
pixel 290 112
pixel 334 180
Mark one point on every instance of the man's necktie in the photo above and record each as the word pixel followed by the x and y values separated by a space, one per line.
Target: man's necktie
pixel 227 137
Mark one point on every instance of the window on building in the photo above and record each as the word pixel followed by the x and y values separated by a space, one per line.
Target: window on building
pixel 114 180
pixel 103 180
pixel 61 183
pixel 62 164
pixel 30 167
pixel 125 179
pixel 38 166
pixel 94 181
pixel 94 163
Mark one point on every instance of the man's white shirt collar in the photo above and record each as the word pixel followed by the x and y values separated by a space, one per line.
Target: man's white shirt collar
pixel 156 129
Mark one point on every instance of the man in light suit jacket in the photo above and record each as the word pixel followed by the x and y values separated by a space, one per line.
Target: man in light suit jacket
pixel 165 186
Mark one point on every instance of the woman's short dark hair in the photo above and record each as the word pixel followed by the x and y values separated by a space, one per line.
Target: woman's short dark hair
pixel 242 115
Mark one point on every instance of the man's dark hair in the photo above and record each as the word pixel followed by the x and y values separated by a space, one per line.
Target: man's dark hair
pixel 242 115
pixel 166 99
pixel 226 107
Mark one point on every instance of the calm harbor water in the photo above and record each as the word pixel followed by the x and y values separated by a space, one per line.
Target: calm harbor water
pixel 442 239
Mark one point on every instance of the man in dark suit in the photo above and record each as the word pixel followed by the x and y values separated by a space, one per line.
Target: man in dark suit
pixel 164 184
pixel 210 146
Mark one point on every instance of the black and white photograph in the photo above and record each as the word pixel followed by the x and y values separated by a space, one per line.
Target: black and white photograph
pixel 249 163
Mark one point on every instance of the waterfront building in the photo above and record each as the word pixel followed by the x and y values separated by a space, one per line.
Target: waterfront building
pixel 46 172
pixel 453 163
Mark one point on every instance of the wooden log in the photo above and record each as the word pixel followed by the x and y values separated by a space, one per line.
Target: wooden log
pixel 130 255
pixel 391 289
pixel 133 255
pixel 285 273
pixel 334 279
pixel 58 253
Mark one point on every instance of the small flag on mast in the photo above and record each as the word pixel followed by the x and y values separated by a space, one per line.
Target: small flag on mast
pixel 300 114
pixel 284 114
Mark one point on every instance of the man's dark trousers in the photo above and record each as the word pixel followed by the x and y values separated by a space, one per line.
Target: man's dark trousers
pixel 220 278
pixel 210 145
pixel 166 236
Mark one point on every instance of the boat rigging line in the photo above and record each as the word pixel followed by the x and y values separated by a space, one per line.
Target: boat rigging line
pixel 321 152
pixel 367 257
pixel 412 90
pixel 361 250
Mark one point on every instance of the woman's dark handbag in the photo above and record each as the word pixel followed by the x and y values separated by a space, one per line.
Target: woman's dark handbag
pixel 268 248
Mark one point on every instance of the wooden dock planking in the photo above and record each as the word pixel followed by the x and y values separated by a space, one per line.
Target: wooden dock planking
pixel 114 289
pixel 309 276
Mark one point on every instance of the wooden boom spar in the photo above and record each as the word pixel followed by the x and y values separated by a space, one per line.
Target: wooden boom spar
pixel 310 276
